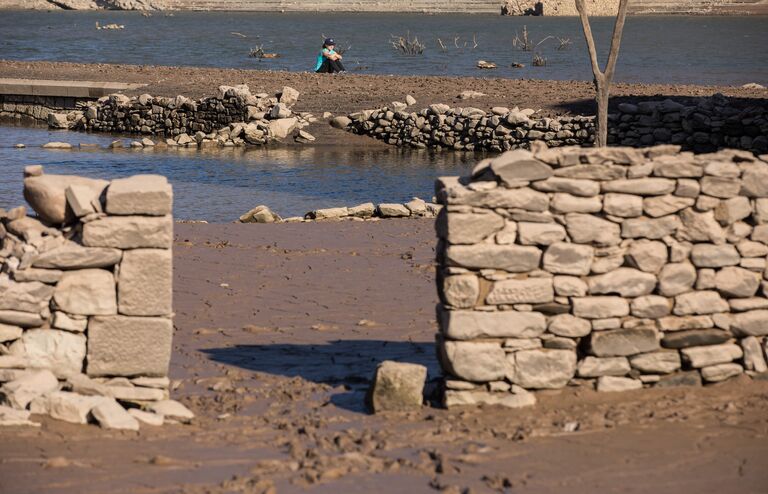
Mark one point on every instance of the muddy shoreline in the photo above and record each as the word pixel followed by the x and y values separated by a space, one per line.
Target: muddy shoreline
pixel 278 328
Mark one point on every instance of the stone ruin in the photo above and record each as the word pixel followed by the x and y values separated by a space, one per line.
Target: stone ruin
pixel 86 302
pixel 617 268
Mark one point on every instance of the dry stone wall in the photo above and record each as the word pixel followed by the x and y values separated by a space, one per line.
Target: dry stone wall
pixel 86 301
pixel 704 125
pixel 616 268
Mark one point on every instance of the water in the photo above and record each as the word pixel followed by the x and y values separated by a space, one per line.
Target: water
pixel 671 49
pixel 221 184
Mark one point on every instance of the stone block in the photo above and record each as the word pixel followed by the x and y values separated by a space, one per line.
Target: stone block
pixel 587 229
pixel 567 258
pixel 569 326
pixel 60 351
pixel 519 165
pixel 397 387
pixel 87 292
pixel 474 361
pixel 608 384
pixel 130 232
pixel 576 187
pixel 31 384
pixel 676 278
pixel 47 195
pixel 600 307
pixel 80 199
pixel 141 194
pixel 569 286
pixel 664 362
pixel 49 276
pixel 129 346
pixel 695 337
pixel 704 356
pixel 721 372
pixel 658 206
pixel 623 342
pixel 527 291
pixel 714 256
pixel 732 210
pixel 648 255
pixel 512 258
pixel 690 378
pixel 461 291
pixel 74 256
pixel 626 282
pixel 641 186
pixel 751 323
pixel 171 409
pixel 393 211
pixel 754 359
pixel 110 415
pixel 737 282
pixel 145 287
pixel 597 367
pixel 69 322
pixel 542 369
pixel 30 296
pixel 467 228
pixel 650 228
pixel 623 205
pixel 72 407
pixel 567 203
pixel 700 302
pixel 468 325
pixel 474 398
pixel 9 333
pixel 651 307
pixel 540 233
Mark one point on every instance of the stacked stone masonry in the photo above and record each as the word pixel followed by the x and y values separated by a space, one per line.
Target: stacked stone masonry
pixel 86 301
pixel 616 268
pixel 706 125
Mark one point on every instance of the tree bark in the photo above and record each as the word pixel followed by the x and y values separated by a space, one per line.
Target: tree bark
pixel 602 79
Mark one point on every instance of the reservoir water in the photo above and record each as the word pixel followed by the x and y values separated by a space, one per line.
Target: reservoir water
pixel 221 184
pixel 660 49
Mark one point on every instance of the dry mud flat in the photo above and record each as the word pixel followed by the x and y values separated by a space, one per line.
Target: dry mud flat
pixel 278 330
pixel 353 92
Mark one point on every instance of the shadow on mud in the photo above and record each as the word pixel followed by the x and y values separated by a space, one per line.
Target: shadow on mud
pixel 347 363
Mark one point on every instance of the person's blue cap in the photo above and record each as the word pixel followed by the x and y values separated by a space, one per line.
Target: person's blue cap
pixel 329 41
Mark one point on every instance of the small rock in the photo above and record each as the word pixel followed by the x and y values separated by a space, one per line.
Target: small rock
pixel 172 409
pixel 110 415
pixel 397 387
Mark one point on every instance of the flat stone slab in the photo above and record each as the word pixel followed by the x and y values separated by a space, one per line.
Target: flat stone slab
pixel 75 89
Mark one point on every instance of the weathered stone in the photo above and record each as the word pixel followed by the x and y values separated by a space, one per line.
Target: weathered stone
pixel 146 283
pixel 721 372
pixel 282 127
pixel 651 307
pixel 87 292
pixel 540 233
pixel 626 282
pixel 461 228
pixel 129 346
pixel 129 232
pixel 329 213
pixel 47 195
pixel 80 199
pixel 542 369
pixel 19 392
pixel 714 256
pixel 513 258
pixel 748 248
pixel 49 276
pixel 704 356
pixel 651 228
pixel 700 227
pixel 461 290
pixel 468 325
pixel 474 361
pixel 720 187
pixel 74 256
pixel 699 302
pixel 623 342
pixel 663 205
pixel 569 326
pixel 393 211
pixel 515 344
pixel 690 338
pixel 576 187
pixel 732 210
pixel 676 168
pixel 567 203
pixel 753 355
pixel 747 304
pixel 25 297
pixel 519 165
pixel 60 351
pixel 607 384
pixel 140 194
pixel 664 362
pixel 641 186
pixel 687 188
pixel 608 259
pixel 260 214
pixel 69 322
pixel 152 382
pixel 527 291
pixel 674 323
pixel 397 387
pixel 474 398
pixel 22 319
pixel 523 198
pixel 72 407
pixel 12 417
pixel 110 415
pixel 592 172
pixel 647 255
pixel 585 229
pixel 9 333
pixel 569 286
pixel 567 258
pixel 171 409
pixel 596 367
pixel 752 323
pixel 691 378
pixel 623 205
pixel 600 307
pixel 737 282
pixel 676 278
pixel 147 417
pixel 365 210
pixel 755 181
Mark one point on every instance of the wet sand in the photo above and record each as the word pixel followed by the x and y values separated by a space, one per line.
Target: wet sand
pixel 278 330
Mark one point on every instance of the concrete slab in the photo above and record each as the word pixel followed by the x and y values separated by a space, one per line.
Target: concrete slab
pixel 72 89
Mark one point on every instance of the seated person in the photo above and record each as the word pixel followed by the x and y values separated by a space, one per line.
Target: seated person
pixel 328 61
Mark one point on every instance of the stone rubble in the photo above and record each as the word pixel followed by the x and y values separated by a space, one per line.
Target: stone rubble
pixel 621 267
pixel 415 208
pixel 85 298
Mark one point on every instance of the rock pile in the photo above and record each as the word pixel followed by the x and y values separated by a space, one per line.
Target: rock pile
pixel 415 208
pixel 85 301
pixel 704 126
pixel 234 117
pixel 617 268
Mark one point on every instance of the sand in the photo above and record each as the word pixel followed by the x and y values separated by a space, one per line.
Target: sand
pixel 272 354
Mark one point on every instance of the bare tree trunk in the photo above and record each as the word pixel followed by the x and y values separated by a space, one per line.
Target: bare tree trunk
pixel 602 79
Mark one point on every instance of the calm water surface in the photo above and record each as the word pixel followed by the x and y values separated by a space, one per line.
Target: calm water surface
pixel 220 185
pixel 671 49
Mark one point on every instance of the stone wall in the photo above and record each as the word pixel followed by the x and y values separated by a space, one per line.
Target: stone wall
pixel 31 109
pixel 615 268
pixel 701 125
pixel 85 301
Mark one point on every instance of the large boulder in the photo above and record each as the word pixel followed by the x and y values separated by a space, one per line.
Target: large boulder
pixel 47 195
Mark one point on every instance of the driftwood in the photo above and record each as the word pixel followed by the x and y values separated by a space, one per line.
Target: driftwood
pixel 602 79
